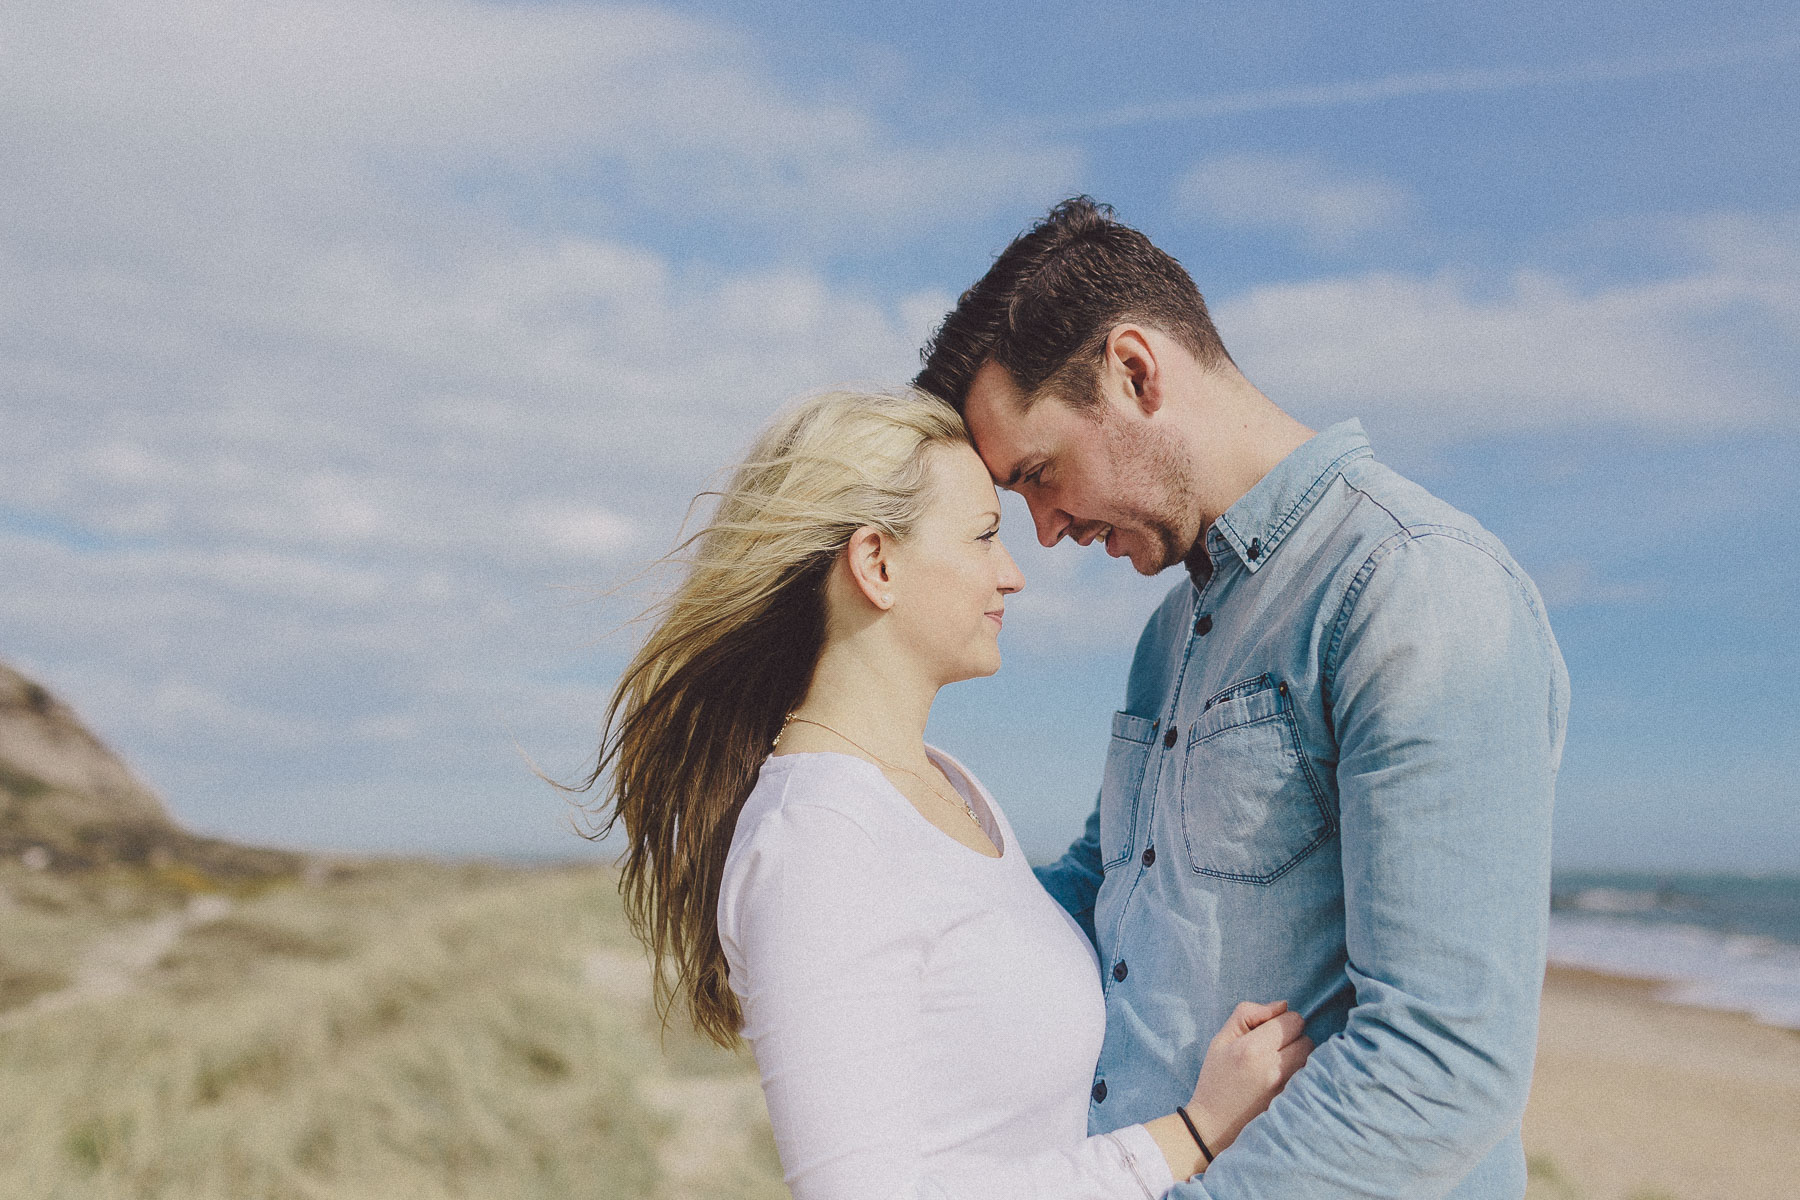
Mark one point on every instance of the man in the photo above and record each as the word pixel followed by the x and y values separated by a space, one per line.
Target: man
pixel 1332 779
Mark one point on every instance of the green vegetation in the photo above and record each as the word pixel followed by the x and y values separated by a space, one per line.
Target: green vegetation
pixel 401 1031
pixel 19 784
pixel 1544 1180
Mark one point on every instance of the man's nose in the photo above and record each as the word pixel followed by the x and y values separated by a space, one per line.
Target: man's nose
pixel 1051 522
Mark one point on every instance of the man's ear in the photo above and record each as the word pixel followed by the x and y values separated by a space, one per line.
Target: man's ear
pixel 866 559
pixel 1130 369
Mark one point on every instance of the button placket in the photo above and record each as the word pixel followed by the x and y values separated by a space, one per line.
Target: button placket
pixel 1153 778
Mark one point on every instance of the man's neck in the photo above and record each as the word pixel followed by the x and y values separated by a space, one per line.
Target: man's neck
pixel 1240 435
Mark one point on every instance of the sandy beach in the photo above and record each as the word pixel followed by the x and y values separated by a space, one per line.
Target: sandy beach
pixel 1638 1099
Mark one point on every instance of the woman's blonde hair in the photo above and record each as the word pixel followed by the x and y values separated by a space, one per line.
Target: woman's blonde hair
pixel 731 653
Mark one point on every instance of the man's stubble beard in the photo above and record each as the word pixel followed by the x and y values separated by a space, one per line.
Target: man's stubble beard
pixel 1153 456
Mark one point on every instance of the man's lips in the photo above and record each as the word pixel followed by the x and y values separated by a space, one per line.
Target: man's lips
pixel 1099 533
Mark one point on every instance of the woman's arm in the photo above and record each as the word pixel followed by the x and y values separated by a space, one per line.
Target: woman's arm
pixel 830 975
pixel 1247 1064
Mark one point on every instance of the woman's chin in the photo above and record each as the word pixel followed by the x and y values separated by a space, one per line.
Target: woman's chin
pixel 989 664
pixel 977 667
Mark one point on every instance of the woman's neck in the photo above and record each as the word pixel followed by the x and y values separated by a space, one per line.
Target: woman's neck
pixel 868 700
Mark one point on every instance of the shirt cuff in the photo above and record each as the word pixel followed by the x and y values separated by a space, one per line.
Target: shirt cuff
pixel 1145 1159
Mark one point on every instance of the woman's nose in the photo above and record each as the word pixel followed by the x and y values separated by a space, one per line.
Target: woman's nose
pixel 1011 578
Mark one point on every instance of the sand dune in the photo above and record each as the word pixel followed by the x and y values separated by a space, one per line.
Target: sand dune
pixel 438 1031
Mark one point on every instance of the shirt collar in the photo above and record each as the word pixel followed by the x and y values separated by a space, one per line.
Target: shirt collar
pixel 1262 518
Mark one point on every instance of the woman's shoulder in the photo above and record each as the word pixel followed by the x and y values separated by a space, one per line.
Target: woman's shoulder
pixel 809 845
pixel 809 803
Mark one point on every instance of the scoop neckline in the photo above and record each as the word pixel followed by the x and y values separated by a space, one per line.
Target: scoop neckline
pixel 944 760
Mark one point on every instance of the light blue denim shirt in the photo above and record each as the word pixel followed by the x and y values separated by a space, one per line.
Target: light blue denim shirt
pixel 1331 784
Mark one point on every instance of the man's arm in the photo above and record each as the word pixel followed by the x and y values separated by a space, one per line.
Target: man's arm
pixel 1448 699
pixel 1074 879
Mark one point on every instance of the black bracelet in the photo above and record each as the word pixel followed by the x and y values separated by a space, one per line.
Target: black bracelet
pixel 1199 1141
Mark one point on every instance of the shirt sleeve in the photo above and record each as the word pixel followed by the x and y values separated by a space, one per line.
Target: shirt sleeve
pixel 1448 698
pixel 828 970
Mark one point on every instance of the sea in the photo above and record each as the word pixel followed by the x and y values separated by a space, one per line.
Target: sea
pixel 1729 942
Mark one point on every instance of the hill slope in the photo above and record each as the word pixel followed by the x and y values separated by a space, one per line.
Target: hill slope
pixel 64 792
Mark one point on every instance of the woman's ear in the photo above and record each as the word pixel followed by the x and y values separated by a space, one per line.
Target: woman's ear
pixel 866 558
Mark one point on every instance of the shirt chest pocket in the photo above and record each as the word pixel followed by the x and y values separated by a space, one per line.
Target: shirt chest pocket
pixel 1251 807
pixel 1127 758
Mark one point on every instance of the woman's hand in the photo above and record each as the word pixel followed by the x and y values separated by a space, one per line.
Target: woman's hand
pixel 1248 1062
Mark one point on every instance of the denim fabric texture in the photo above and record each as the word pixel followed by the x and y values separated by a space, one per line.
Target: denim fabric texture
pixel 1331 783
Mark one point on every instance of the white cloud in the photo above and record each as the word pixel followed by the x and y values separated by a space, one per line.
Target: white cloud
pixel 1575 583
pixel 1691 351
pixel 581 533
pixel 327 358
pixel 206 120
pixel 1469 81
pixel 1329 208
pixel 330 349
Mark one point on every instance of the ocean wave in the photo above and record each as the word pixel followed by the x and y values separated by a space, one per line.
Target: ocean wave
pixel 1621 900
pixel 1732 972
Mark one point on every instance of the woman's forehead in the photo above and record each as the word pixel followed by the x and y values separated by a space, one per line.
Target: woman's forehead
pixel 961 482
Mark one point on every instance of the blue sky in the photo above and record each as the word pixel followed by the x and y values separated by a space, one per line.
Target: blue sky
pixel 356 354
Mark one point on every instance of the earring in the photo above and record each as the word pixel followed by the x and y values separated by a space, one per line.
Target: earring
pixel 886 599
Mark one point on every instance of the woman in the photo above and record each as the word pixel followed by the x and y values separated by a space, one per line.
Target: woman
pixel 808 873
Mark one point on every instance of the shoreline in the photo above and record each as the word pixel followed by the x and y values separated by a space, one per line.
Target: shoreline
pixel 1572 980
pixel 1636 1097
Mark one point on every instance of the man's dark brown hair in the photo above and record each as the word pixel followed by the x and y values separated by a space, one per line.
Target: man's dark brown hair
pixel 1045 307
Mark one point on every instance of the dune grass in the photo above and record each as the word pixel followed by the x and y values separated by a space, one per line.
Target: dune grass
pixel 410 1031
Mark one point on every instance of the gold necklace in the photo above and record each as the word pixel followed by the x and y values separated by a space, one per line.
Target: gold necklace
pixel 959 803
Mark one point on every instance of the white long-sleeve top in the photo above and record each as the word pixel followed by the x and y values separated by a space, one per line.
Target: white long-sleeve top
pixel 925 1018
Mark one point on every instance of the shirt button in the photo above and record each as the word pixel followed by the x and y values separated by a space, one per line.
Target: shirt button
pixel 1169 738
pixel 1204 625
pixel 1149 856
pixel 1120 970
pixel 1255 548
pixel 1099 1091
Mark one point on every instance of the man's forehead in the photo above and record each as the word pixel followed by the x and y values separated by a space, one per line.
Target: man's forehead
pixel 995 414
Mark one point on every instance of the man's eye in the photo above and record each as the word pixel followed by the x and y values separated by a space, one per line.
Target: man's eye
pixel 1035 477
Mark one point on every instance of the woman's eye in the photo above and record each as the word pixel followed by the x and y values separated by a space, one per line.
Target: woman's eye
pixel 989 536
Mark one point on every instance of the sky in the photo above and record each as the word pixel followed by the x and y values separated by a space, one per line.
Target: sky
pixel 356 357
